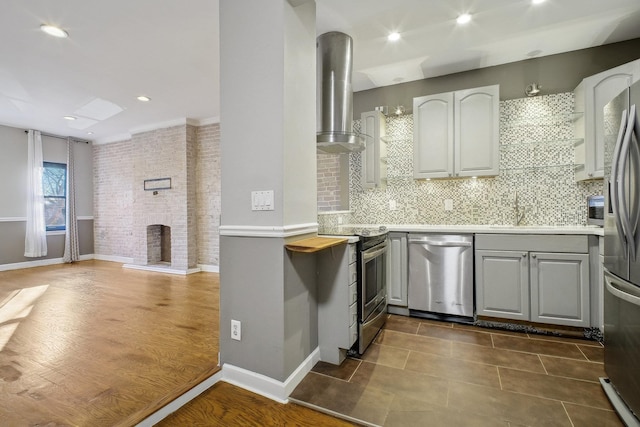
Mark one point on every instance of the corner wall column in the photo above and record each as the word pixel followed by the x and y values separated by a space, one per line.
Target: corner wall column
pixel 267 125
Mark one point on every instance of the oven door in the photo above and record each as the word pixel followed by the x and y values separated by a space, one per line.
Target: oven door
pixel 373 283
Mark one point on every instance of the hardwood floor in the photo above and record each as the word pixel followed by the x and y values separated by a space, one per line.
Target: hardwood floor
pixel 230 406
pixel 94 344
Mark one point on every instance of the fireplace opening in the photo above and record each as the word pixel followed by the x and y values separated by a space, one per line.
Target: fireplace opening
pixel 158 244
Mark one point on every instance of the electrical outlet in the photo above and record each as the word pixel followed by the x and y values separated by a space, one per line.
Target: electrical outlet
pixel 236 330
pixel 393 205
pixel 448 204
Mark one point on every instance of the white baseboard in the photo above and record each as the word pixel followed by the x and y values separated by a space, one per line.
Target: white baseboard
pixel 209 268
pixel 176 404
pixel 39 263
pixel 161 269
pixel 113 258
pixel 248 380
pixel 267 386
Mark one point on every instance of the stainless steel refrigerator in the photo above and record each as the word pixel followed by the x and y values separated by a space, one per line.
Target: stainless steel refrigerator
pixel 622 254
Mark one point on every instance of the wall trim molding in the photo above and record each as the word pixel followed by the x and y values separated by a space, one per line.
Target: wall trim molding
pixel 267 386
pixel 176 404
pixel 39 263
pixel 24 218
pixel 161 269
pixel 268 230
pixel 209 268
pixel 113 258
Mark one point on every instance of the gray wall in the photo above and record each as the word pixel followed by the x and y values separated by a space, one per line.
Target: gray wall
pixel 13 190
pixel 555 73
pixel 12 242
pixel 267 143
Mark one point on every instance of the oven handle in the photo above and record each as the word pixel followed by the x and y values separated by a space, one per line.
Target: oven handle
pixel 381 313
pixel 370 254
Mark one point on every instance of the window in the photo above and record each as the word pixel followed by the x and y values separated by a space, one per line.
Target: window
pixel 54 188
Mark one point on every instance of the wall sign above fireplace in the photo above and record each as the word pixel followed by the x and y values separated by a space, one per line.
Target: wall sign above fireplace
pixel 157 184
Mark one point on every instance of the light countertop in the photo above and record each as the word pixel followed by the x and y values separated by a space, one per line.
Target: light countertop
pixel 489 229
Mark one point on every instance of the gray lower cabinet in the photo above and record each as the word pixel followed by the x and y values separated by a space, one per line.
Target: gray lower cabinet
pixel 397 270
pixel 560 288
pixel 502 284
pixel 533 285
pixel 337 302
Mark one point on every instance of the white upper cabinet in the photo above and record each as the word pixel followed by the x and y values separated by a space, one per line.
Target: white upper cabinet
pixel 477 121
pixel 433 136
pixel 591 95
pixel 374 156
pixel 456 134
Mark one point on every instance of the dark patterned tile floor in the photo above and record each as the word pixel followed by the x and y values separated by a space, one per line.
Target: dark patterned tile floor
pixel 427 373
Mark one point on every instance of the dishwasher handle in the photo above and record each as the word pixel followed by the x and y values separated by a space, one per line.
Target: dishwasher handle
pixel 452 244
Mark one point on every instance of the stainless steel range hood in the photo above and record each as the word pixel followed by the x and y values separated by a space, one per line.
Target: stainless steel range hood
pixel 335 95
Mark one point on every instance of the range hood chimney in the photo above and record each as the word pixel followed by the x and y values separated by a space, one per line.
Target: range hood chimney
pixel 335 95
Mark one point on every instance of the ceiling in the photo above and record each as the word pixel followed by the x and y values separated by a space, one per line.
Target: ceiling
pixel 168 50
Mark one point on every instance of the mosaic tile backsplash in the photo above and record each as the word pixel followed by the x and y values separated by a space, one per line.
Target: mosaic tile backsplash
pixel 536 164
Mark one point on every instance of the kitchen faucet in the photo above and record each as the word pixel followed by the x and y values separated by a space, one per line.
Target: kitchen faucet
pixel 519 211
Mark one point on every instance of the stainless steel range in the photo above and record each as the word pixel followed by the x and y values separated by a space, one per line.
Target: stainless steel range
pixel 372 281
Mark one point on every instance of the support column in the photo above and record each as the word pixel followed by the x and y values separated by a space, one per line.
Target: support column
pixel 267 125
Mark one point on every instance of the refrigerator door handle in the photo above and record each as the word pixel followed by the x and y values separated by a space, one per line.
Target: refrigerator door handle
pixel 621 184
pixel 635 209
pixel 621 290
pixel 613 187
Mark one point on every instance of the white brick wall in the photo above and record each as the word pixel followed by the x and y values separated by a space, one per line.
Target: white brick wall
pixel 113 199
pixel 208 194
pixel 328 182
pixel 190 156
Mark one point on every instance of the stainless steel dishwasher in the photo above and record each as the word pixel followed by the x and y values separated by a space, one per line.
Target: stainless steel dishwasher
pixel 441 274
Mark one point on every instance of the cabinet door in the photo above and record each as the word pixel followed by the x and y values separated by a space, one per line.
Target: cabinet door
pixel 374 170
pixel 502 284
pixel 433 136
pixel 397 269
pixel 476 130
pixel 599 89
pixel 560 288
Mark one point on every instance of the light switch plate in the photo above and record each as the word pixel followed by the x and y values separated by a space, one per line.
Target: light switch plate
pixel 448 204
pixel 262 200
pixel 393 205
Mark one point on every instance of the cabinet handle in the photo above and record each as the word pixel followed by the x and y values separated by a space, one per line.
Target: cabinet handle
pixel 524 255
pixel 533 256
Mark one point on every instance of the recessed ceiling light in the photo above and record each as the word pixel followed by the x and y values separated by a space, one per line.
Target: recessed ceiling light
pixel 54 31
pixel 89 133
pixel 393 37
pixel 537 1
pixel 69 118
pixel 144 98
pixel 463 19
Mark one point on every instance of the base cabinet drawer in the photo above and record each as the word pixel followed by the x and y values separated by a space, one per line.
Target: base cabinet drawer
pixel 353 310
pixel 353 333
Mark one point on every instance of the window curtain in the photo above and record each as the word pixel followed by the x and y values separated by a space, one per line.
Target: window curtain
pixel 71 247
pixel 35 241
